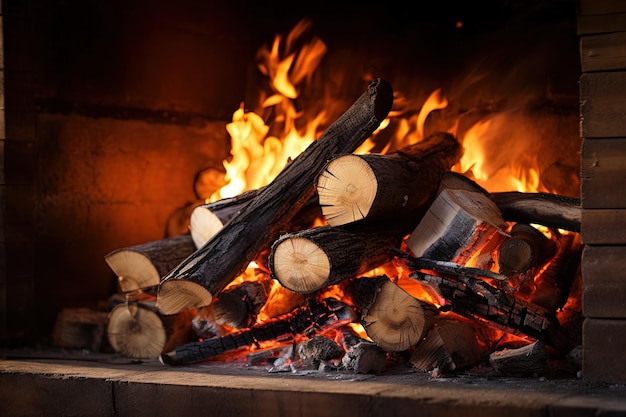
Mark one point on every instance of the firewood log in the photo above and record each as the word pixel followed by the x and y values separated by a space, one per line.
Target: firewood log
pixel 235 307
pixel 365 358
pixel 311 259
pixel 80 328
pixel 526 248
pixel 312 352
pixel 529 360
pixel 375 186
pixel 208 219
pixel 137 329
pixel 391 317
pixel 211 268
pixel 457 226
pixel 142 266
pixel 450 345
pixel 550 210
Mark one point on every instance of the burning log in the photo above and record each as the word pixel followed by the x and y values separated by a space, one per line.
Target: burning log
pixel 450 345
pixel 474 298
pixel 526 248
pixel 374 186
pixel 554 283
pixel 391 317
pixel 208 219
pixel 318 349
pixel 458 225
pixel 211 268
pixel 137 329
pixel 312 259
pixel 236 307
pixel 142 266
pixel 303 321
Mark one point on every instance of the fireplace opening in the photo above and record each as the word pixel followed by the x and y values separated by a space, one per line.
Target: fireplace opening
pixel 137 107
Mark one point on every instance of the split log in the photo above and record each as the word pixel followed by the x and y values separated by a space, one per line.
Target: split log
pixel 375 186
pixel 142 266
pixel 136 329
pixel 550 210
pixel 391 317
pixel 208 219
pixel 449 346
pixel 525 249
pixel 312 259
pixel 306 321
pixel 211 268
pixel 529 360
pixel 457 226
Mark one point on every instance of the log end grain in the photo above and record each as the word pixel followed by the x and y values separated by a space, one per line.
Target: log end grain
pixel 175 296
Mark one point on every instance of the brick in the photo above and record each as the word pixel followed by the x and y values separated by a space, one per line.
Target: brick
pixel 603 350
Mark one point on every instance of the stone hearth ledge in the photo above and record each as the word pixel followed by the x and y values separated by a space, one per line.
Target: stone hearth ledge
pixel 112 386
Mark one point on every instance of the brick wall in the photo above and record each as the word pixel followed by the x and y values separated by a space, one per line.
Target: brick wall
pixel 602 34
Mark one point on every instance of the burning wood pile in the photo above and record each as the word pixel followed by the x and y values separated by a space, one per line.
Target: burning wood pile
pixel 358 258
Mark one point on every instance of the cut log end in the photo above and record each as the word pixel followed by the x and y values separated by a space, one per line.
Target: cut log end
pixel 396 320
pixel 175 296
pixel 136 332
pixel 300 265
pixel 203 224
pixel 133 269
pixel 346 188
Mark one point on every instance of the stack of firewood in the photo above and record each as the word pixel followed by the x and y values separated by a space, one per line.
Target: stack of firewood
pixel 405 213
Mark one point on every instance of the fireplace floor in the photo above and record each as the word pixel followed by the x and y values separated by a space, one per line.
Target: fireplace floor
pixel 87 384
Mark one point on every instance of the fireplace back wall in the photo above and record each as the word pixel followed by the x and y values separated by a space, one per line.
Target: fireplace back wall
pixel 112 108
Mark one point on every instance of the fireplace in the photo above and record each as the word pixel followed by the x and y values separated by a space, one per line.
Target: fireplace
pixel 112 111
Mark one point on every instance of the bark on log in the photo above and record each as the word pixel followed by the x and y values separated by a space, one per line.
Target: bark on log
pixel 211 268
pixel 391 317
pixel 529 360
pixel 142 266
pixel 375 186
pixel 550 210
pixel 312 259
pixel 208 219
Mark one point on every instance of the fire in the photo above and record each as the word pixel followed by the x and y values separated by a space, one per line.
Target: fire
pixel 261 149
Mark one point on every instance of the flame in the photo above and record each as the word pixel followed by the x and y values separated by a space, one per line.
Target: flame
pixel 259 151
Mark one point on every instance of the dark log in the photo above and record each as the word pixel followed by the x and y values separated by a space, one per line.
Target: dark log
pixel 211 268
pixel 375 186
pixel 312 352
pixel 312 259
pixel 550 210
pixel 526 248
pixel 142 266
pixel 305 321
